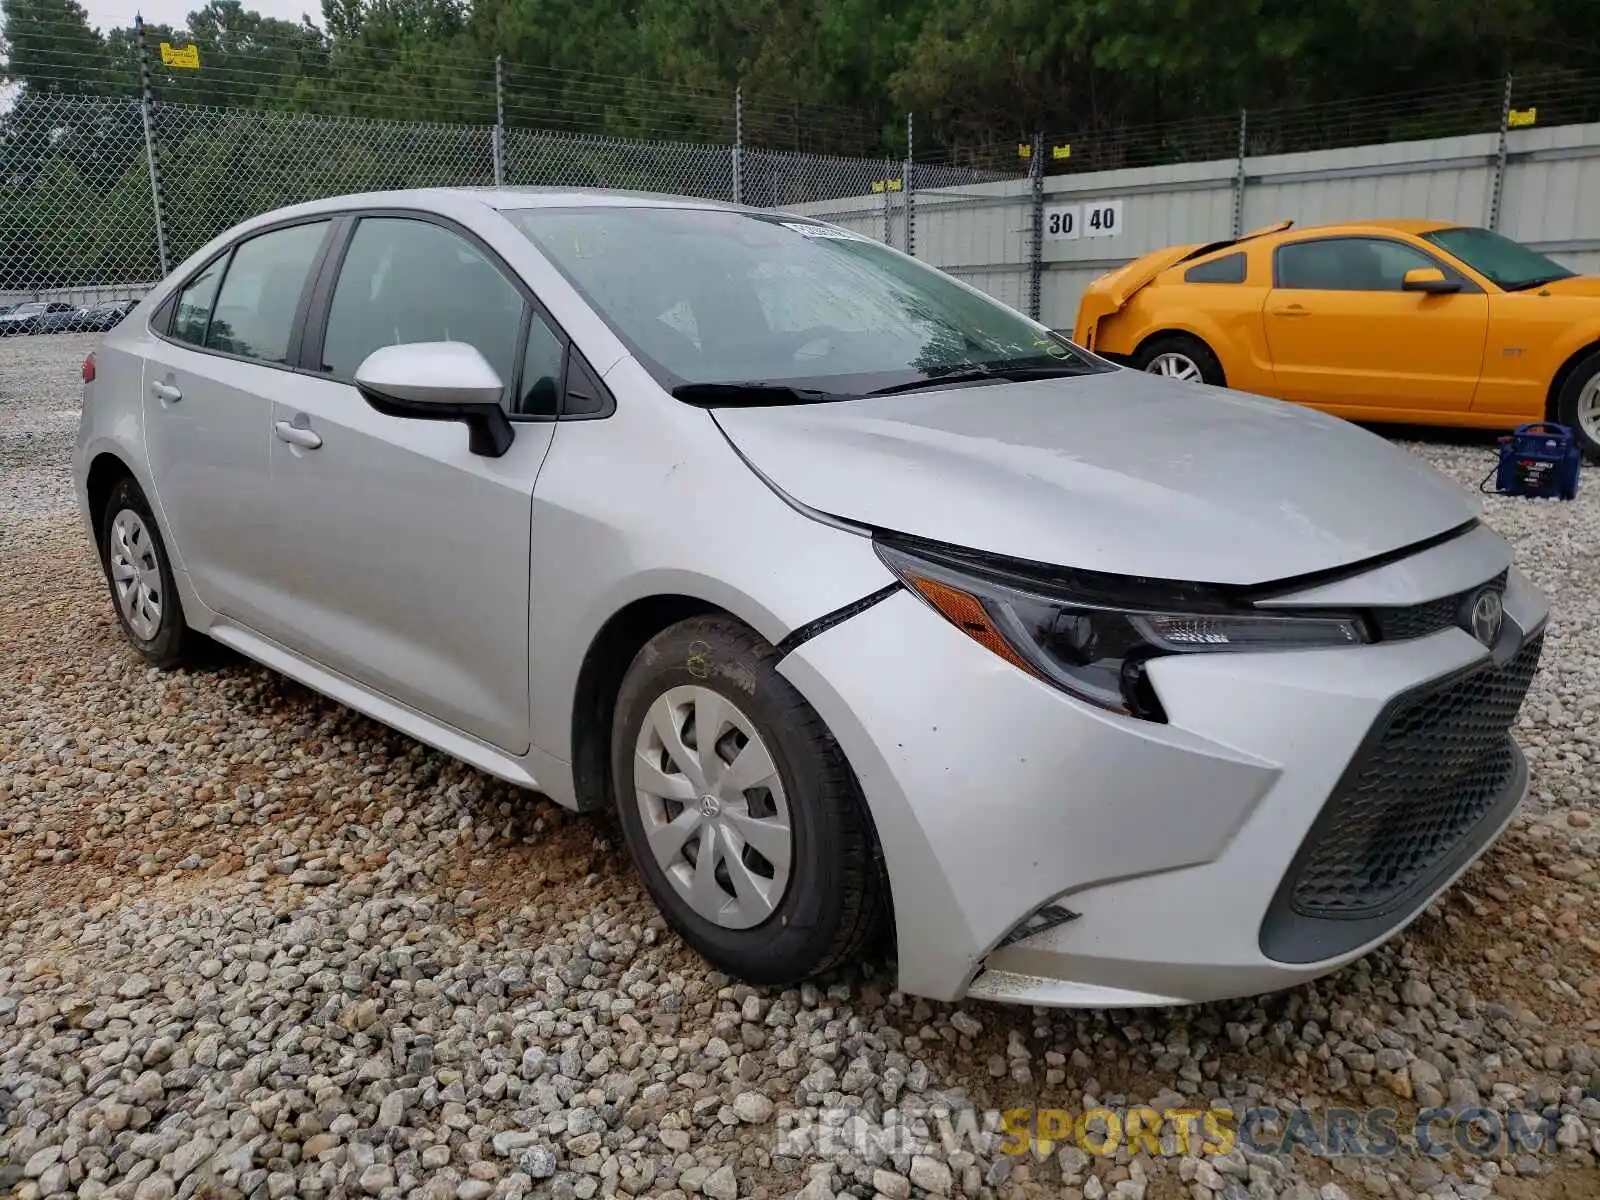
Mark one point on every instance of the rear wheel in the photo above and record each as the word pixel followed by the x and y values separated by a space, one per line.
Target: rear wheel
pixel 739 809
pixel 1181 357
pixel 1578 405
pixel 140 577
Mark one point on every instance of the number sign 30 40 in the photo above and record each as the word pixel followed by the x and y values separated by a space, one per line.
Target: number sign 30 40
pixel 1068 222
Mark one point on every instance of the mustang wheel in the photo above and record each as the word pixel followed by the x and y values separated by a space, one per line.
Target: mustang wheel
pixel 1181 357
pixel 1578 405
pixel 739 809
pixel 140 576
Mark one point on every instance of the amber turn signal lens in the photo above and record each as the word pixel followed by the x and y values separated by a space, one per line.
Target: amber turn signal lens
pixel 967 614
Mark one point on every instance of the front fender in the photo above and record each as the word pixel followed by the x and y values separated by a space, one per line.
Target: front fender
pixel 654 502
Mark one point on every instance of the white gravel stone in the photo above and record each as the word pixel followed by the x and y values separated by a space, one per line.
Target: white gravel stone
pixel 391 975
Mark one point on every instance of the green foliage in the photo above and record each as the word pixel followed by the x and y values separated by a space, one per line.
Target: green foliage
pixel 1124 81
pixel 825 76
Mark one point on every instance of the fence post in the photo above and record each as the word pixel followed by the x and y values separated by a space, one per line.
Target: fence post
pixel 888 203
pixel 499 140
pixel 1500 159
pixel 1036 238
pixel 738 145
pixel 910 190
pixel 147 112
pixel 1238 175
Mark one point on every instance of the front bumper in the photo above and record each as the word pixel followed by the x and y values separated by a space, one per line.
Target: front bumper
pixel 1178 848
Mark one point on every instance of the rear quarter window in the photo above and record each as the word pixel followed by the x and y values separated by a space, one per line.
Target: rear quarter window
pixel 1230 268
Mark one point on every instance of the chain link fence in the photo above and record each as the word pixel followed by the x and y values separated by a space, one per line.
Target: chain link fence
pixel 75 199
pixel 219 166
pixel 101 194
pixel 93 201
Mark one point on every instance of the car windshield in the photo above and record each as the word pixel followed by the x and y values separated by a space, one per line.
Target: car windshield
pixel 1508 264
pixel 796 307
pixel 27 310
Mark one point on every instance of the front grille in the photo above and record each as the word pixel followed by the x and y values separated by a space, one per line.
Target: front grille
pixel 1426 775
pixel 1419 620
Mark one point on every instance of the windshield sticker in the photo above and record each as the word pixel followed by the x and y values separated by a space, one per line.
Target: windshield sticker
pixel 821 231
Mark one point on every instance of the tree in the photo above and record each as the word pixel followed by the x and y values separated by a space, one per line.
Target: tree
pixel 51 48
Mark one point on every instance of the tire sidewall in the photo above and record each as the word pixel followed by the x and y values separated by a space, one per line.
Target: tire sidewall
pixel 1567 405
pixel 1192 348
pixel 806 916
pixel 166 646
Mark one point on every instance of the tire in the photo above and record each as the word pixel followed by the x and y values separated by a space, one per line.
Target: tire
pixel 146 602
pixel 1181 351
pixel 830 907
pixel 1578 405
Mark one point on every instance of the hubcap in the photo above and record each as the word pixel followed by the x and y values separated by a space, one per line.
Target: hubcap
pixel 1175 366
pixel 713 807
pixel 1589 410
pixel 135 574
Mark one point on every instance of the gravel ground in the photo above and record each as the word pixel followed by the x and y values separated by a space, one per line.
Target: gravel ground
pixel 252 944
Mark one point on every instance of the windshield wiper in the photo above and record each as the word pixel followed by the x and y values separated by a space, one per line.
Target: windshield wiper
pixel 996 374
pixel 750 394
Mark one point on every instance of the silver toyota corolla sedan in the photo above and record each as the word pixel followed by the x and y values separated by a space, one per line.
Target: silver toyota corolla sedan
pixel 870 605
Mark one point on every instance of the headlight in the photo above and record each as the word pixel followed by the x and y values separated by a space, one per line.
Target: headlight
pixel 1092 636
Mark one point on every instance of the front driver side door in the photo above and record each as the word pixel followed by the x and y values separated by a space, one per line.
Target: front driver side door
pixel 1343 333
pixel 402 557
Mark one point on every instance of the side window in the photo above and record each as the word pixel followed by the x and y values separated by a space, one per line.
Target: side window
pixel 543 364
pixel 406 280
pixel 194 304
pixel 1347 264
pixel 1227 269
pixel 255 311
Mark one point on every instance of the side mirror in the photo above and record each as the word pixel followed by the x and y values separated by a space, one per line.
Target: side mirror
pixel 439 381
pixel 1430 280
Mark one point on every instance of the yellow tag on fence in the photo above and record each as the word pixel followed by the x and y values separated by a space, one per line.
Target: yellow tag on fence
pixel 184 57
pixel 1521 118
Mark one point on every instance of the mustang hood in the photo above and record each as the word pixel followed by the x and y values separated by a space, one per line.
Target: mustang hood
pixel 1121 472
pixel 1574 285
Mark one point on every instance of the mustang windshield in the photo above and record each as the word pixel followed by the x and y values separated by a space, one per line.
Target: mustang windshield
pixel 1508 264
pixel 718 296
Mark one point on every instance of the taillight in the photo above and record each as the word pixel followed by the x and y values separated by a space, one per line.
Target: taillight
pixel 88 368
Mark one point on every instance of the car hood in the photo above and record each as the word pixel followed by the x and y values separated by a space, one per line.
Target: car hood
pixel 1120 472
pixel 1574 285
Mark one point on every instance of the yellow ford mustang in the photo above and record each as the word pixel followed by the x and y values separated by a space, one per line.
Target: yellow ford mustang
pixel 1417 321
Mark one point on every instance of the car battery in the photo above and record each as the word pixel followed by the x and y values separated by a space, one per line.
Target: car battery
pixel 1539 459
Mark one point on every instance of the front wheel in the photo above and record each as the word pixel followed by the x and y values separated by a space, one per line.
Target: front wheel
pixel 1181 357
pixel 739 809
pixel 1578 405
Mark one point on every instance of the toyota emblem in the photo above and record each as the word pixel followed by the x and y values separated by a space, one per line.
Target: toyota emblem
pixel 1484 615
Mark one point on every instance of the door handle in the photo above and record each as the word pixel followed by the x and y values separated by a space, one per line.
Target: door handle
pixel 1294 310
pixel 167 393
pixel 297 435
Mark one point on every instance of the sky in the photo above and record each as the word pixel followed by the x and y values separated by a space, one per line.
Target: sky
pixel 112 14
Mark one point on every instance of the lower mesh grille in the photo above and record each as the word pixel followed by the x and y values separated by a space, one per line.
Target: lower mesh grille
pixel 1426 776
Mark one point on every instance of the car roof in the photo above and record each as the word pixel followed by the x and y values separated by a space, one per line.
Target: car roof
pixel 1401 225
pixel 501 198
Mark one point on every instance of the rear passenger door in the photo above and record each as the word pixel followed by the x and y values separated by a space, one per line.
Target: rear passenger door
pixel 401 558
pixel 227 341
